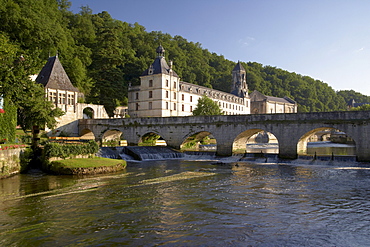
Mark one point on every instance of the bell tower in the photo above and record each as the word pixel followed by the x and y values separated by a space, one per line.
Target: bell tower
pixel 239 85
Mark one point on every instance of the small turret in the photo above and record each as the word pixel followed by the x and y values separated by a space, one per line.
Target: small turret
pixel 160 51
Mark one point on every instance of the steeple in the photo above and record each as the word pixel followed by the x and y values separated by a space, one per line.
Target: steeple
pixel 239 85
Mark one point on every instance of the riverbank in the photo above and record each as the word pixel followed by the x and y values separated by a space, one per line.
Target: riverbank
pixel 85 166
pixel 10 160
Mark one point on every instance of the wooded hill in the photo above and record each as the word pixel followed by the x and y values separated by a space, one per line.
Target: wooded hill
pixel 102 55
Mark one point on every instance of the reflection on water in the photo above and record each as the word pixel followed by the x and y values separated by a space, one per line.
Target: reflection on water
pixel 328 148
pixel 191 203
pixel 320 148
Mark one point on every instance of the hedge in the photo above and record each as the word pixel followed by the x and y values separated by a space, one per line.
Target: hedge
pixel 69 150
pixel 8 122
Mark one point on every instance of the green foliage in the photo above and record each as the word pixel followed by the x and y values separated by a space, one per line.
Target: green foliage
pixel 102 56
pixel 206 106
pixel 69 150
pixel 15 85
pixel 350 94
pixel 365 107
pixel 149 139
pixel 25 159
pixel 8 121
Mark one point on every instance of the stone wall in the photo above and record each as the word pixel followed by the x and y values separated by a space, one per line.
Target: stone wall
pixel 10 162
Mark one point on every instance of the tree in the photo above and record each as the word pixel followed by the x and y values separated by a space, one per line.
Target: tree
pixel 206 106
pixel 26 95
pixel 365 107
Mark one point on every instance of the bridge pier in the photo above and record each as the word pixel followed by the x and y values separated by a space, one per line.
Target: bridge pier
pixel 224 149
pixel 288 147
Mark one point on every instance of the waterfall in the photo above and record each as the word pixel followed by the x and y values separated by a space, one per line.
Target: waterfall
pixel 151 153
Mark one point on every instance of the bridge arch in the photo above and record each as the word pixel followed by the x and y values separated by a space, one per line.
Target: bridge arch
pixel 334 138
pixel 253 139
pixel 88 113
pixel 199 141
pixel 112 137
pixel 152 138
pixel 87 134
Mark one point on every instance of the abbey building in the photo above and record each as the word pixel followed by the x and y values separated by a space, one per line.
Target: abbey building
pixel 162 94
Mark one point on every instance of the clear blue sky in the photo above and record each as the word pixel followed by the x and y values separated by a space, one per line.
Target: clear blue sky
pixel 328 40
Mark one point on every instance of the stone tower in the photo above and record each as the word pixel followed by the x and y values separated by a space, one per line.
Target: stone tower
pixel 239 86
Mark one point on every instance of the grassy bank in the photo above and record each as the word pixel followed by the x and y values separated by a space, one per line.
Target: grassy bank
pixel 84 166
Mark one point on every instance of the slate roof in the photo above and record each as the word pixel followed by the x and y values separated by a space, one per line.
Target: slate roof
pixel 53 75
pixel 238 67
pixel 352 103
pixel 257 96
pixel 159 66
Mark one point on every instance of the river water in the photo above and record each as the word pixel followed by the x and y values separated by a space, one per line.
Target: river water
pixel 191 203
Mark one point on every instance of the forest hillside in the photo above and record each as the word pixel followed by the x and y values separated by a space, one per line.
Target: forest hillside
pixel 102 56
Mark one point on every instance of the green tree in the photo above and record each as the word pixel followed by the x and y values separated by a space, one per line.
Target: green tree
pixel 365 107
pixel 206 106
pixel 26 95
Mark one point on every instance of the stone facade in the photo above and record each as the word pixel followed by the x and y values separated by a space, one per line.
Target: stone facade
pixel 162 93
pixel 262 104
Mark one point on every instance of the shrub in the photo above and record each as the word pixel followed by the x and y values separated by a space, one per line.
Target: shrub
pixel 69 150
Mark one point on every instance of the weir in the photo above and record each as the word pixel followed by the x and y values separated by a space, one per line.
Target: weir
pixel 140 153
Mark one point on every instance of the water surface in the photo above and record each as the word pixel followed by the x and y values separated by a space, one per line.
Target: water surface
pixel 191 203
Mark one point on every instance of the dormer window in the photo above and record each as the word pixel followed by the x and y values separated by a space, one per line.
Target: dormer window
pixel 151 70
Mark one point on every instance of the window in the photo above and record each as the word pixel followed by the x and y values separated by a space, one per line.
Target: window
pixel 182 107
pixel 53 97
pixel 150 106
pixel 167 94
pixel 174 106
pixel 182 97
pixel 150 94
pixel 174 84
pixel 191 98
pixel 174 95
pixel 62 98
pixel 137 106
pixel 191 108
pixel 166 83
pixel 150 83
pixel 137 96
pixel 70 99
pixel 166 105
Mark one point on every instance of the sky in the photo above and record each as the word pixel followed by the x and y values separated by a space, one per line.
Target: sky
pixel 328 40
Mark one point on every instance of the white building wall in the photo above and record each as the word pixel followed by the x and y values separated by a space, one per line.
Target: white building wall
pixel 169 97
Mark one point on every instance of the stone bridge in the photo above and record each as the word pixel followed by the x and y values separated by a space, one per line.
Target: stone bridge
pixel 291 130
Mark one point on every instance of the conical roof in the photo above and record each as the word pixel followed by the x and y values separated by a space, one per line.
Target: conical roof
pixel 53 76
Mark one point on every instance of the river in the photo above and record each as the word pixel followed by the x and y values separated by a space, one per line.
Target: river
pixel 191 203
